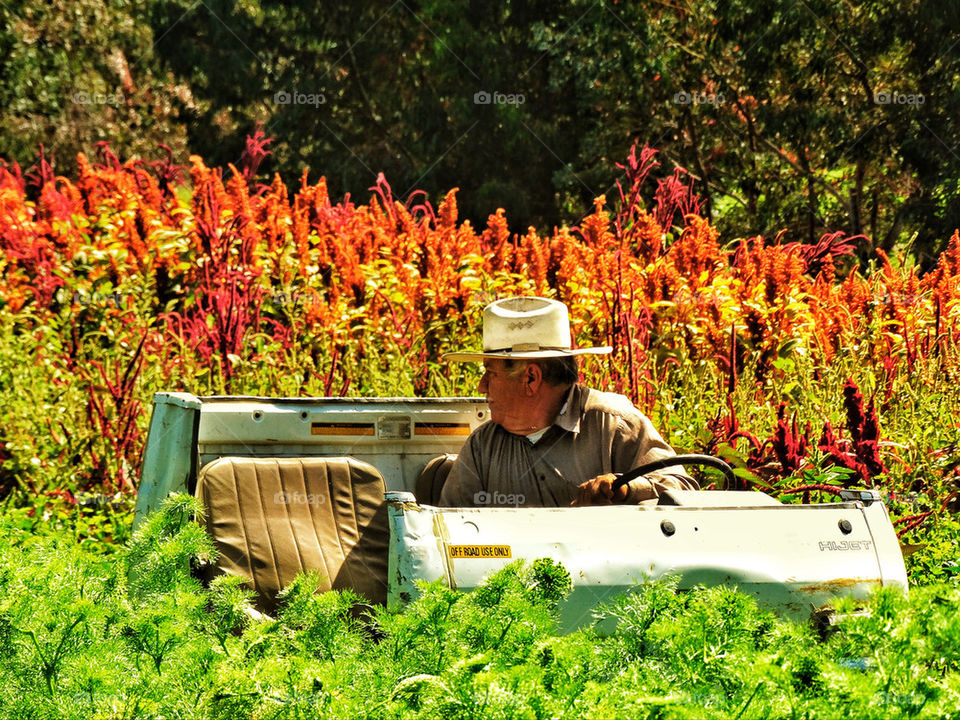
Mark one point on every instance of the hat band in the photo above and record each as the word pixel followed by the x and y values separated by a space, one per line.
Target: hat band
pixel 527 347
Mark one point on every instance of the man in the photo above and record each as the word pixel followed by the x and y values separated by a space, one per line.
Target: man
pixel 550 442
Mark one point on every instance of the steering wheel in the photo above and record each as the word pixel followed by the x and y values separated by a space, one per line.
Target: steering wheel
pixel 702 460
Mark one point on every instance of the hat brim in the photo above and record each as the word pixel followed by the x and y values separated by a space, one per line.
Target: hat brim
pixel 530 355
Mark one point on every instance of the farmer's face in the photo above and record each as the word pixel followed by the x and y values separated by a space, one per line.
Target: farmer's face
pixel 508 395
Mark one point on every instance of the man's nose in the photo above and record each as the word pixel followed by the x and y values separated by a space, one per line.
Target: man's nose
pixel 482 385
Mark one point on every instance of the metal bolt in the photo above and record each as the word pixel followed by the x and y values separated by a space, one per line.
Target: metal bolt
pixel 845 527
pixel 668 528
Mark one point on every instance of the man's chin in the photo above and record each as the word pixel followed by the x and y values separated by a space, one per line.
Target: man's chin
pixel 498 419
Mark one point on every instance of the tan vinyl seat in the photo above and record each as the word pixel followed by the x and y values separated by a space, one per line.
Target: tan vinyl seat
pixel 271 518
pixel 431 479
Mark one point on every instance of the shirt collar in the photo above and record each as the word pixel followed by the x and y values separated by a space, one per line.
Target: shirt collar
pixel 569 417
pixel 534 438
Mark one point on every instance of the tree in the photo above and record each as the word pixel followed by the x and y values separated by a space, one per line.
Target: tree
pixel 74 74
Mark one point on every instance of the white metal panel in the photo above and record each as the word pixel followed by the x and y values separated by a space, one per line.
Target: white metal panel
pixel 398 436
pixel 168 457
pixel 791 557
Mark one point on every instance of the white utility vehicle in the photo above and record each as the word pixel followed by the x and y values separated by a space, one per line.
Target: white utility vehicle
pixel 349 487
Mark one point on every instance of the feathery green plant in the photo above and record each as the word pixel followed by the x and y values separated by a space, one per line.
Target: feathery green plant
pixel 135 635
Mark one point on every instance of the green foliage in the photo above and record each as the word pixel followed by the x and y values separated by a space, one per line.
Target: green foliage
pixel 160 553
pixel 934 559
pixel 80 640
pixel 324 624
pixel 79 73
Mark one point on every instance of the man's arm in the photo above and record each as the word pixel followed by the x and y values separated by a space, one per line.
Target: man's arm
pixel 635 442
pixel 638 443
pixel 647 487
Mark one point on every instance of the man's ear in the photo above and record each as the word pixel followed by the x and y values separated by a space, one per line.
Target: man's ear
pixel 532 379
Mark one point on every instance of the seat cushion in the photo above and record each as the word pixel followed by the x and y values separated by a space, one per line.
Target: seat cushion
pixel 431 479
pixel 271 518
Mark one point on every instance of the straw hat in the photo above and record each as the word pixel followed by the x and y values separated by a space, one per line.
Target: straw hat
pixel 525 327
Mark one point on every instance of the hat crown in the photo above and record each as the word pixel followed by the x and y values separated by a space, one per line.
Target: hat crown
pixel 525 327
pixel 525 324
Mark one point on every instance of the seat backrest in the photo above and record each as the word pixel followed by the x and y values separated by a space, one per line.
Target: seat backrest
pixel 431 479
pixel 271 518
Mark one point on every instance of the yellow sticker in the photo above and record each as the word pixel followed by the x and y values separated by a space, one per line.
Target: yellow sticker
pixel 341 428
pixel 441 428
pixel 461 552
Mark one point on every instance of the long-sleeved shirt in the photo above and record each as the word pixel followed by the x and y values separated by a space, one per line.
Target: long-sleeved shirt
pixel 594 434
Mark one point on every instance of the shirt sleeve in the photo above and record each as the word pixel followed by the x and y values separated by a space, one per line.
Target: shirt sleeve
pixel 464 481
pixel 638 443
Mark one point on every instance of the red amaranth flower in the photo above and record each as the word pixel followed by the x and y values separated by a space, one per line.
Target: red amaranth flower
pixel 631 213
pixel 821 255
pixel 674 196
pixel 254 153
pixel 835 454
pixel 789 444
pixel 41 173
pixel 862 453
pixel 853 404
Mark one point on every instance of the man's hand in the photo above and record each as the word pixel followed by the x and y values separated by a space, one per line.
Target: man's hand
pixel 599 491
